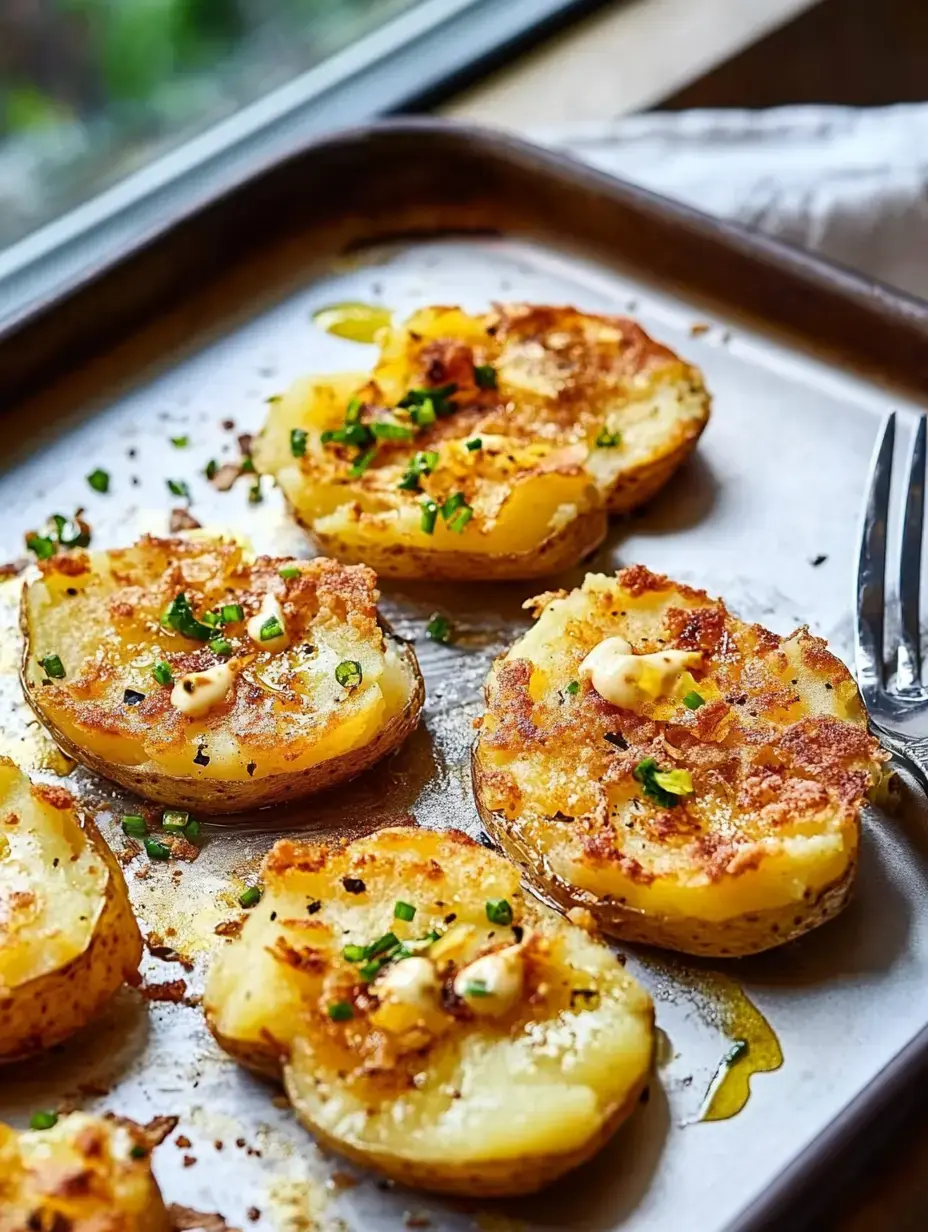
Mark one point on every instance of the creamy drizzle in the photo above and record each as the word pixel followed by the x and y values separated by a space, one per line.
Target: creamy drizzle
pixel 625 678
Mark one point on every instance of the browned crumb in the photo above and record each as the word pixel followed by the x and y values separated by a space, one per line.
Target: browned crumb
pixel 253 1213
pixel 226 476
pixel 182 519
pixel 189 1161
pixel 13 568
pixel 171 990
pixel 159 1128
pixel 416 1219
pixel 342 1180
pixel 182 1141
pixel 699 328
pixel 230 928
pixel 185 1219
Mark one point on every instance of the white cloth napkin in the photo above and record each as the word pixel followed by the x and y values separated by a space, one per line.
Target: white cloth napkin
pixel 850 184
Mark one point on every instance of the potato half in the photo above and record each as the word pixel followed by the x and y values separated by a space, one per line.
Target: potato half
pixel 483 1046
pixel 751 843
pixel 83 1174
pixel 326 694
pixel 68 938
pixel 488 446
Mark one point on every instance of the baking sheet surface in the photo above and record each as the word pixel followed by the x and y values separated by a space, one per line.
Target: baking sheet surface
pixel 766 515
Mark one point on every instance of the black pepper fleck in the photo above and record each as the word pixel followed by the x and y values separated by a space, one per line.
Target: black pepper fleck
pixel 251 768
pixel 354 885
pixel 314 906
pixel 201 758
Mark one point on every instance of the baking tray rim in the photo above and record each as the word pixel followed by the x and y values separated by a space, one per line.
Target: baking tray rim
pixel 791 1193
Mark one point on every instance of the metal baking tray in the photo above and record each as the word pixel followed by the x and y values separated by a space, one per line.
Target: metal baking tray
pixel 196 325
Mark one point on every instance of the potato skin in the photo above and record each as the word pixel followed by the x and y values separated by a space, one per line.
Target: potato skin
pixel 43 1011
pixel 283 1038
pixel 781 725
pixel 327 600
pixel 80 1175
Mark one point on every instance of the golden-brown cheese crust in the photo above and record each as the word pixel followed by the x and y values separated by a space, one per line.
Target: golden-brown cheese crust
pixel 123 594
pixel 562 377
pixel 769 762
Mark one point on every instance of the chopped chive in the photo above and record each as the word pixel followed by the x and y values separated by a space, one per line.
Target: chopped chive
pixel 255 495
pixel 370 969
pixel 694 700
pixel 424 414
pixel 41 545
pixel 353 411
pixel 476 988
pixel 298 442
pixel 361 463
pixel 348 673
pixel 156 850
pixel 573 688
pixel 221 646
pixel 174 820
pixel 453 503
pixel 289 572
pixel 270 629
pixel 423 462
pixel 178 487
pixel 211 468
pixel 499 911
pixel 134 825
pixel 485 376
pixel 664 787
pixel 439 628
pixel 436 399
pixel 192 830
pixel 99 480
pixel 404 911
pixel 43 1120
pixel 138 1152
pixel 247 466
pixel 162 672
pixel 382 945
pixel 473 445
pixel 179 617
pixel 180 442
pixel 70 532
pixel 341 1011
pixel 385 431
pixel 460 519
pixel 608 440
pixel 132 697
pixel 53 667
pixel 429 516
pixel 230 613
pixel 213 619
pixel 354 953
pixel 250 897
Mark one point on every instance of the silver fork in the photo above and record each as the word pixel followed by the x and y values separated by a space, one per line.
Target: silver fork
pixel 888 644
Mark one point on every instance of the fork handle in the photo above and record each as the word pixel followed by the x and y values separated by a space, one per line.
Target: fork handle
pixel 913 753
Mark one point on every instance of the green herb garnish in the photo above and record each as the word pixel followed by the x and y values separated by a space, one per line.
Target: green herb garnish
pixel 341 1011
pixel 231 613
pixel 499 911
pixel 385 431
pixel 271 629
pixel 213 619
pixel 298 442
pixel 211 468
pixel 476 988
pixel 221 646
pixel 41 545
pixel 52 667
pixel 179 617
pixel 70 532
pixel 99 480
pixel 43 1120
pixel 371 969
pixel 134 825
pixel 382 945
pixel 180 442
pixel 437 398
pixel 439 628
pixel 404 911
pixel 162 672
pixel 255 495
pixel 473 445
pixel 348 673
pixel 354 953
pixel 485 376
pixel 361 463
pixel 694 700
pixel 423 463
pixel 573 688
pixel 664 787
pixel 178 487
pixel 250 897
pixel 353 411
pixel 460 519
pixel 289 572
pixel 423 415
pixel 156 850
pixel 608 440
pixel 192 830
pixel 356 434
pixel 175 821
pixel 429 516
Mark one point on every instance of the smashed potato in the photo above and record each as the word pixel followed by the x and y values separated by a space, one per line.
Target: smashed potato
pixel 198 676
pixel 429 1020
pixel 490 446
pixel 696 782
pixel 68 938
pixel 81 1174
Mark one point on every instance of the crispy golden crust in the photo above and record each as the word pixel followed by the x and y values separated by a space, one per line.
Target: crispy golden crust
pixel 583 415
pixel 44 1003
pixel 418 1096
pixel 285 727
pixel 85 1174
pixel 778 750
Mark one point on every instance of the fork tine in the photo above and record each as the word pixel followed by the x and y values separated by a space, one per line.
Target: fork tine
pixel 909 658
pixel 871 566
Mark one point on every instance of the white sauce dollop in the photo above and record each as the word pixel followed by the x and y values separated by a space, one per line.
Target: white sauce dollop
pixel 270 609
pixel 625 678
pixel 491 985
pixel 196 693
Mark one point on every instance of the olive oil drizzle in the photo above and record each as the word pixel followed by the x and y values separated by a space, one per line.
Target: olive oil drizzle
pixel 356 321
